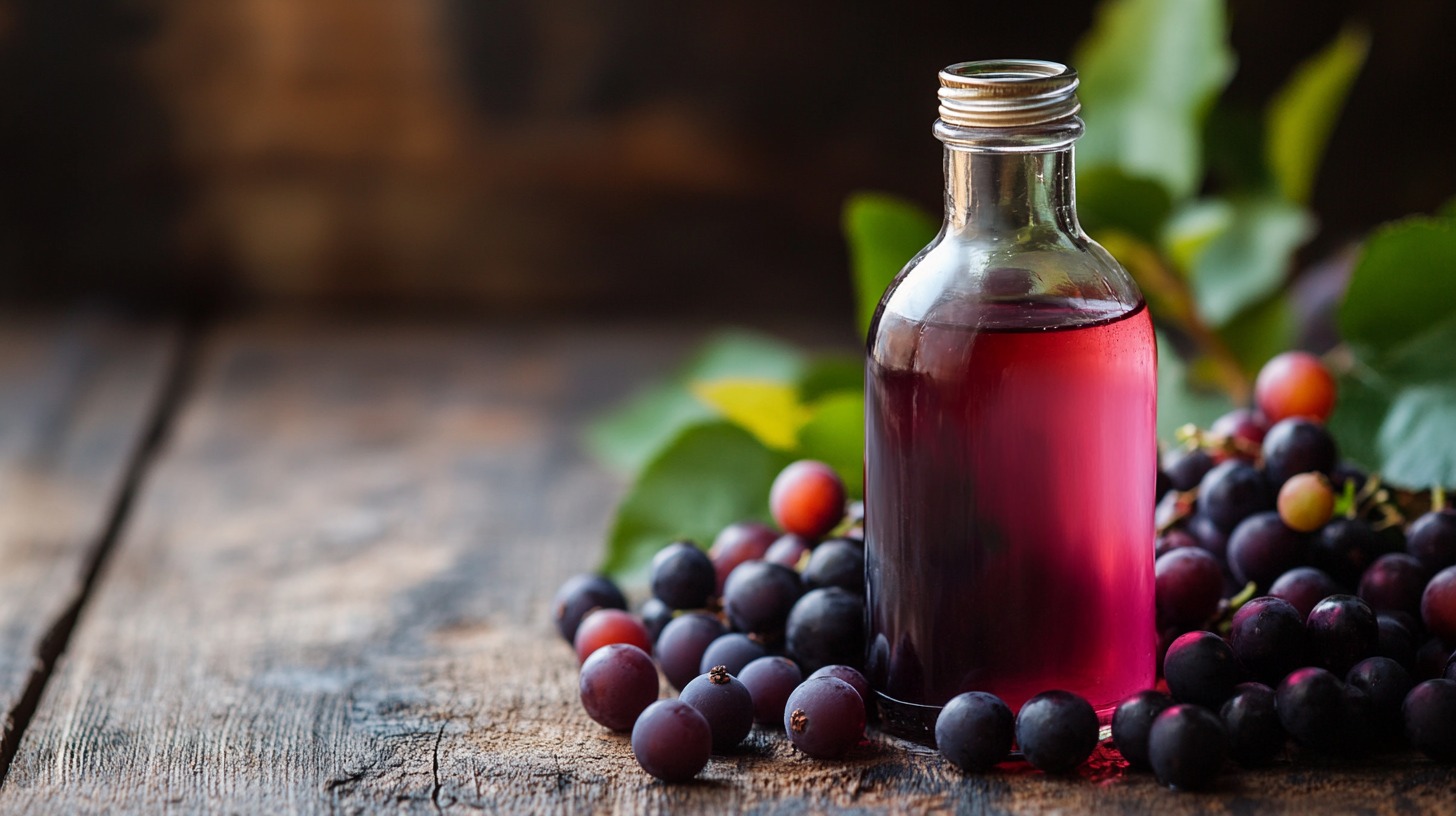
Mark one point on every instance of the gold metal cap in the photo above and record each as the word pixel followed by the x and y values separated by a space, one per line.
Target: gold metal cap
pixel 1007 94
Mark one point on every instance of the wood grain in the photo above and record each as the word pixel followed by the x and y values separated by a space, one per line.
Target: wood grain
pixel 333 598
pixel 77 393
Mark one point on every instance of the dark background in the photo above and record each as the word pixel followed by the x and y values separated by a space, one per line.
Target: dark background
pixel 568 157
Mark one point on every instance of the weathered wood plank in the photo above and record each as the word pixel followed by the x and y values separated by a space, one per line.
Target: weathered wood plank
pixel 334 597
pixel 77 393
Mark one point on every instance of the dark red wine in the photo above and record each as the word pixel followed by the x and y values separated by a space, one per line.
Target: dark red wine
pixel 1009 485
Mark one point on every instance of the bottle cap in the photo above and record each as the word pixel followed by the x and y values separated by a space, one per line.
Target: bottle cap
pixel 1007 94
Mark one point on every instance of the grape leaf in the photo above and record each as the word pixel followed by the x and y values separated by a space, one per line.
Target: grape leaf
pixel 1303 114
pixel 1150 70
pixel 1261 331
pixel 1403 286
pixel 835 435
pixel 884 233
pixel 1108 198
pixel 768 409
pixel 1179 403
pixel 707 476
pixel 831 373
pixel 1246 261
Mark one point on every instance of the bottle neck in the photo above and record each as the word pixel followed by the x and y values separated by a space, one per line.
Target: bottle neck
pixel 990 192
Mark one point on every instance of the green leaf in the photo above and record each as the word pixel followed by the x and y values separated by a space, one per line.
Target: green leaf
pixel 825 375
pixel 1108 198
pixel 1359 409
pixel 626 438
pixel 1403 286
pixel 707 476
pixel 1415 439
pixel 1150 70
pixel 1303 114
pixel 1179 403
pixel 835 436
pixel 884 233
pixel 1262 331
pixel 769 410
pixel 1246 261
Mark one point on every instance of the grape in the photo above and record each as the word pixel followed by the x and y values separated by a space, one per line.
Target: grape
pixel 1386 683
pixel 672 741
pixel 1232 492
pixel 1430 719
pixel 1268 638
pixel 1056 731
pixel 1432 539
pixel 974 731
pixel 580 595
pixel 1450 673
pixel 1210 537
pixel 1243 425
pixel 1186 747
pixel 1394 584
pixel 1201 668
pixel 807 498
pixel 724 702
pixel 1358 723
pixel 1295 384
pixel 1310 703
pixel 759 595
pixel 683 576
pixel 1438 605
pixel 824 718
pixel 1186 468
pixel 1342 632
pixel 1162 485
pixel 852 676
pixel 604 627
pixel 1297 446
pixel 788 550
pixel 1344 548
pixel 1431 659
pixel 825 627
pixel 1396 641
pixel 617 682
pixel 1304 587
pixel 770 681
pixel 732 651
pixel 1262 548
pixel 681 646
pixel 1306 501
pixel 1189 585
pixel 1252 723
pixel 739 542
pixel 1131 723
pixel 1347 472
pixel 655 615
pixel 837 562
pixel 1175 539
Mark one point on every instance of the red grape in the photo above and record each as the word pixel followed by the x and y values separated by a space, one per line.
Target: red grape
pixel 807 498
pixel 672 740
pixel 770 681
pixel 1304 587
pixel 1295 384
pixel 617 682
pixel 1438 605
pixel 607 626
pixel 739 542
pixel 1394 583
pixel 725 703
pixel 1189 586
pixel 682 643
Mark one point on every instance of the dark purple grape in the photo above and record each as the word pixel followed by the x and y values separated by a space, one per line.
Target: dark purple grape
pixel 1297 446
pixel 826 627
pixel 733 651
pixel 1175 539
pixel 1189 585
pixel 1200 668
pixel 1386 683
pixel 1348 472
pixel 655 615
pixel 1344 548
pixel 725 703
pixel 1304 587
pixel 1186 468
pixel 1209 535
pixel 580 595
pixel 852 676
pixel 1186 747
pixel 1394 583
pixel 1252 723
pixel 1131 722
pixel 824 718
pixel 1243 425
pixel 1232 492
pixel 974 731
pixel 1359 724
pixel 1431 659
pixel 759 595
pixel 788 550
pixel 770 681
pixel 683 576
pixel 681 646
pixel 1262 548
pixel 672 741
pixel 1162 485
pixel 837 562
pixel 739 542
pixel 1430 719
pixel 1268 638
pixel 1342 632
pixel 1056 731
pixel 1438 605
pixel 617 682
pixel 1432 539
pixel 1396 641
pixel 1310 702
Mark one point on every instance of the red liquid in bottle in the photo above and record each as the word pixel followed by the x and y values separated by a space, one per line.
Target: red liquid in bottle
pixel 1009 486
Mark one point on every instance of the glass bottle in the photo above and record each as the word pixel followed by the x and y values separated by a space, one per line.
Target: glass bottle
pixel 1010 454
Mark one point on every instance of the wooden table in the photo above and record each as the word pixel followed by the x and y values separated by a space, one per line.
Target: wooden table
pixel 289 565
